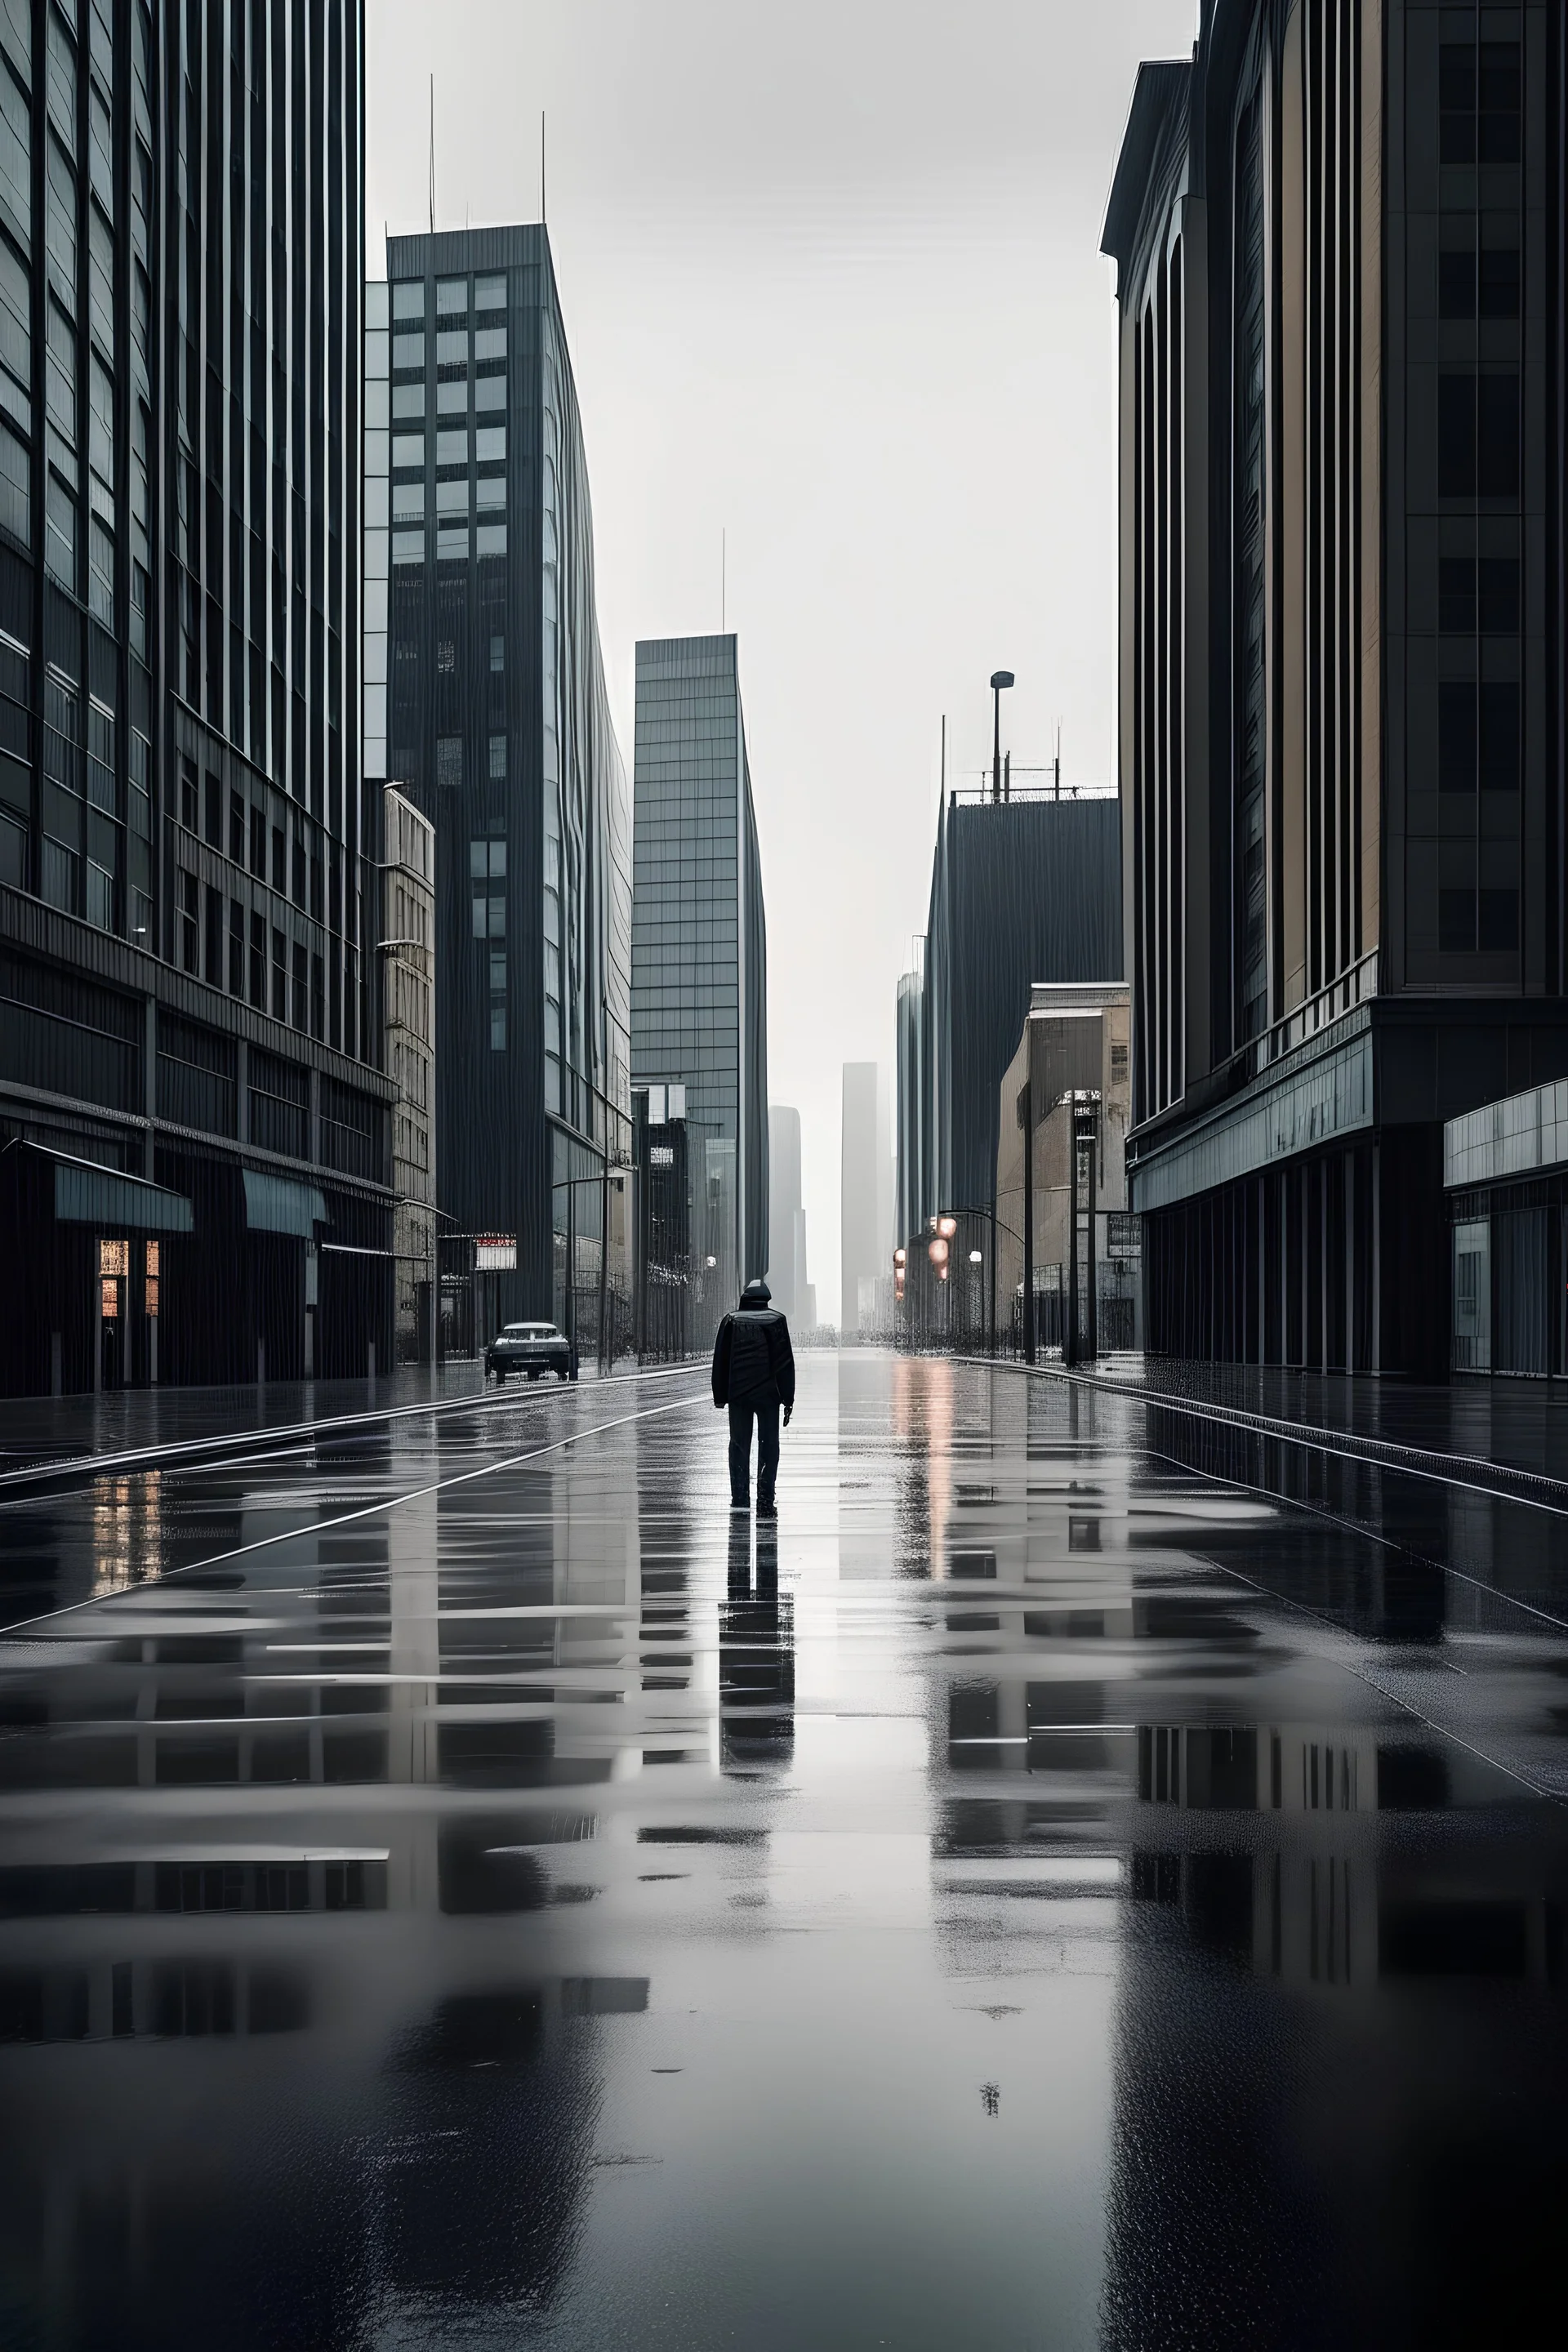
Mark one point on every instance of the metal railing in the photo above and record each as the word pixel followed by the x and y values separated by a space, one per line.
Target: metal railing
pixel 1356 986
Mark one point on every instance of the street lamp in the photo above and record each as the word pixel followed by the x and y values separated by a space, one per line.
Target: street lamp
pixel 1000 678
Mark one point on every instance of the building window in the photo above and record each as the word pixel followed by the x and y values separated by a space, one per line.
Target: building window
pixel 280 977
pixel 301 987
pixel 213 964
pixel 1478 99
pixel 1497 595
pixel 487 878
pixel 498 655
pixel 189 943
pixel 100 570
pixel 498 757
pixel 15 487
pixel 236 949
pixel 258 962
pixel 1498 735
pixel 498 1000
pixel 1477 436
pixel 1457 284
pixel 449 762
pixel 1497 283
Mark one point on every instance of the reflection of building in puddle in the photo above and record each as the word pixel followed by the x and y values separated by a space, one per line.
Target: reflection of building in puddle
pixel 127 1519
pixel 1317 1894
pixel 370 2135
pixel 335 1997
pixel 756 1655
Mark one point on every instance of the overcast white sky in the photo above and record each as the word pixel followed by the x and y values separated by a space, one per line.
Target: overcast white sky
pixel 832 284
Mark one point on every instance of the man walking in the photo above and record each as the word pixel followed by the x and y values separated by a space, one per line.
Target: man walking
pixel 753 1374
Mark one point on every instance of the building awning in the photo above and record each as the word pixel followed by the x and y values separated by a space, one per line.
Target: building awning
pixel 277 1204
pixel 89 1194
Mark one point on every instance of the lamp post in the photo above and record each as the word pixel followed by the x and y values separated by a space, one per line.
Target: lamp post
pixel 1027 1105
pixel 1000 678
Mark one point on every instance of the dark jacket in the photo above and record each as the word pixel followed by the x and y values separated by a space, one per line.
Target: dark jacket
pixel 752 1360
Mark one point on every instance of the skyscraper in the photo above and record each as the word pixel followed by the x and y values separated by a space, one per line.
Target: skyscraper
pixel 911 1141
pixel 1022 890
pixel 866 1198
pixel 1344 405
pixel 497 724
pixel 187 979
pixel 699 974
pixel 786 1216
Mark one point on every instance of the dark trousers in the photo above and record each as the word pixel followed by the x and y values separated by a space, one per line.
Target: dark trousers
pixel 764 1412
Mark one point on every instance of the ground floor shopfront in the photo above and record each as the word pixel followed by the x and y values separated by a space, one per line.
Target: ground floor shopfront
pixel 1303 1218
pixel 190 1192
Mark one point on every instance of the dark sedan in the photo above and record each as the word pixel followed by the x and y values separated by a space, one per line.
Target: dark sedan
pixel 530 1348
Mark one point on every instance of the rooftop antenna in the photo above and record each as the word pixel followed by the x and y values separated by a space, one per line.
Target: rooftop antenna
pixel 724 580
pixel 1056 764
pixel 543 215
pixel 432 155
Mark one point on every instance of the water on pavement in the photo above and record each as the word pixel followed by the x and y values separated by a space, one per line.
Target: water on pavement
pixel 459 1887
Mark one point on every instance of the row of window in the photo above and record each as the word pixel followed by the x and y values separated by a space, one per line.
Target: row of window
pixel 453 542
pixel 451 296
pixel 407 450
pixel 253 959
pixel 456 499
pixel 285 854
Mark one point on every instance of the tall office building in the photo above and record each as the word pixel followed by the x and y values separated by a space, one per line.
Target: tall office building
pixel 700 968
pixel 910 1143
pixel 408 946
pixel 866 1199
pixel 197 1175
pixel 786 1215
pixel 1337 231
pixel 1022 890
pixel 480 564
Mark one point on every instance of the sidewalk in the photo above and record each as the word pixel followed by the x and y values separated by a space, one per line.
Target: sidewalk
pixel 45 1429
pixel 1516 1424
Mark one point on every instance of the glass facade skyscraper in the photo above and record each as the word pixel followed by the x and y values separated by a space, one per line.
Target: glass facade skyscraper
pixel 700 963
pixel 491 713
pixel 186 986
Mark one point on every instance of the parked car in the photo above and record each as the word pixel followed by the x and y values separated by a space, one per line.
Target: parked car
pixel 530 1348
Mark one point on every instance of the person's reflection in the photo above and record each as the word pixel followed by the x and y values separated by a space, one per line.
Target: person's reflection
pixel 756 1656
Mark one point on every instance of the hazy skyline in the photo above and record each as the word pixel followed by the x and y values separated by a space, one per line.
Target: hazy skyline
pixel 833 290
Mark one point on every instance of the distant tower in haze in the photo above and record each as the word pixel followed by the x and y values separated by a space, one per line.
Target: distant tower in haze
pixel 866 1211
pixel 786 1218
pixel 699 974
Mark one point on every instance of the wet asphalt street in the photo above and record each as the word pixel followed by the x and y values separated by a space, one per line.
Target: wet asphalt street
pixel 1037 1896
